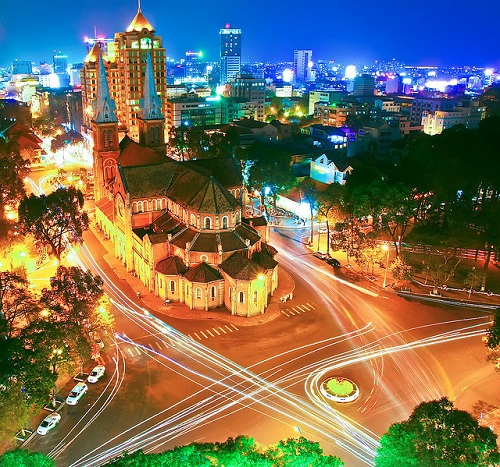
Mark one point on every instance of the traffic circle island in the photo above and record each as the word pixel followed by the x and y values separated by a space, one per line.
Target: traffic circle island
pixel 340 389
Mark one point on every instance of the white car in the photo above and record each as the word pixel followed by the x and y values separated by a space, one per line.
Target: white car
pixel 49 422
pixel 76 394
pixel 96 374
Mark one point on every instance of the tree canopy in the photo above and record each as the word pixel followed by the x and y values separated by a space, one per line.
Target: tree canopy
pixel 439 435
pixel 56 220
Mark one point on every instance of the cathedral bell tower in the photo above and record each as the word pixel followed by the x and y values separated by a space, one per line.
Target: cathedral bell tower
pixel 151 120
pixel 105 134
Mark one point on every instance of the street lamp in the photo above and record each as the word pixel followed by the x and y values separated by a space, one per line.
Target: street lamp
pixel 385 247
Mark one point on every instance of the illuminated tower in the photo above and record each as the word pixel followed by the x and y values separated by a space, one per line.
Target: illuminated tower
pixel 131 49
pixel 105 134
pixel 302 65
pixel 230 53
pixel 151 120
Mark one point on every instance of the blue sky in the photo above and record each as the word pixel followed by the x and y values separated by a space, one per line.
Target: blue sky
pixel 425 32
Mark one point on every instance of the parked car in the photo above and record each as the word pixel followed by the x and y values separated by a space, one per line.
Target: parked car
pixel 49 422
pixel 96 374
pixel 333 262
pixel 76 394
pixel 323 230
pixel 319 254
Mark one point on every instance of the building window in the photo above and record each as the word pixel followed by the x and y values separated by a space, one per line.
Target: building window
pixel 198 292
pixel 105 138
pixel 241 298
pixel 224 222
pixel 172 286
pixel 208 223
pixel 204 258
pixel 193 220
pixel 255 296
pixel 230 293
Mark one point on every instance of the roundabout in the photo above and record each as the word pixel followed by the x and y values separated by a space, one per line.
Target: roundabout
pixel 340 389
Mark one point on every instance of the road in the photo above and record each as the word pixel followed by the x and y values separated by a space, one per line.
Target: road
pixel 168 388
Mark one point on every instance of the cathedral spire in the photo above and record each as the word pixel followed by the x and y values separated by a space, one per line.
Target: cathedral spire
pixel 150 103
pixel 104 106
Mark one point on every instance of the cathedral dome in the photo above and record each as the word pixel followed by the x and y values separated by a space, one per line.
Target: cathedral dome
pixel 139 23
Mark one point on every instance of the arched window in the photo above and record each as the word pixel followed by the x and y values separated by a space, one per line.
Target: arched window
pixel 105 139
pixel 224 222
pixel 241 297
pixel 208 223
pixel 198 292
pixel 192 219
pixel 204 258
pixel 155 205
pixel 255 296
pixel 110 137
pixel 212 292
pixel 140 206
pixel 230 293
pixel 237 218
pixel 172 286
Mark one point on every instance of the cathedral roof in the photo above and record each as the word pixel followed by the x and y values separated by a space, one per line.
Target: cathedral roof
pixel 151 102
pixel 264 260
pixel 171 266
pixel 202 273
pixel 211 197
pixel 226 170
pixel 133 154
pixel 139 23
pixel 104 106
pixel 239 267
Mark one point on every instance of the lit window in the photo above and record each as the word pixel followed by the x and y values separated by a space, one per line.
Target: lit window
pixel 242 297
pixel 198 292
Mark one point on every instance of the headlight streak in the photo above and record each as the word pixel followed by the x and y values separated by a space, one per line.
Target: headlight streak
pixel 304 413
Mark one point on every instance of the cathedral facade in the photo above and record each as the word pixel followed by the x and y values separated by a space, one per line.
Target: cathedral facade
pixel 177 226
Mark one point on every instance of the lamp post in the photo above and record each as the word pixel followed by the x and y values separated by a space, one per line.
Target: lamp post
pixel 385 247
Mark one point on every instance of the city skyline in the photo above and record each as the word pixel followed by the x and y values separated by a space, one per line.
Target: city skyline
pixel 367 33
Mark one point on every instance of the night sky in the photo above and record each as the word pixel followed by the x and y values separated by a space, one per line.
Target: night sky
pixel 425 32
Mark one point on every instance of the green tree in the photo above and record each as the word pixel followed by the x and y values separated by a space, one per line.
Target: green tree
pixel 13 169
pixel 21 457
pixel 269 168
pixel 56 220
pixel 18 306
pixel 177 141
pixel 436 434
pixel 330 207
pixel 473 279
pixel 297 452
pixel 493 341
pixel 401 270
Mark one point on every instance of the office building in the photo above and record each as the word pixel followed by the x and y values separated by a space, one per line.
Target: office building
pixel 230 53
pixel 420 105
pixel 22 67
pixel 302 65
pixel 364 85
pixel 194 68
pixel 253 90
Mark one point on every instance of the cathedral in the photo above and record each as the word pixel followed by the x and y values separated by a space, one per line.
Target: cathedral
pixel 178 226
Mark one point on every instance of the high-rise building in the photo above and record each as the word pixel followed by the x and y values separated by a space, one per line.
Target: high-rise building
pixel 194 67
pixel 253 90
pixel 302 65
pixel 60 63
pixel 364 85
pixel 21 67
pixel 230 53
pixel 126 65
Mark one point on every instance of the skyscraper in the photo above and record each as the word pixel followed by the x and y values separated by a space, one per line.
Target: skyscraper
pixel 230 53
pixel 194 67
pixel 302 65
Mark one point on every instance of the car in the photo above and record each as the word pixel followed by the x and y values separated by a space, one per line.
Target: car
pixel 76 394
pixel 96 374
pixel 333 262
pixel 323 230
pixel 320 255
pixel 49 422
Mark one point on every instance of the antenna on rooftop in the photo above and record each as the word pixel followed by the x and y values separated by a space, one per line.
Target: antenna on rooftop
pixel 139 4
pixel 95 32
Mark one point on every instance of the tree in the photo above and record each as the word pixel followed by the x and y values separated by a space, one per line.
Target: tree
pixel 440 265
pixel 401 270
pixel 493 341
pixel 21 457
pixel 55 220
pixel 436 434
pixel 177 140
pixel 269 169
pixel 309 193
pixel 13 169
pixel 329 205
pixel 473 279
pixel 18 306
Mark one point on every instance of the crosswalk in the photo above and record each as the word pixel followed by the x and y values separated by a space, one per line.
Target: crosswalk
pixel 136 351
pixel 298 309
